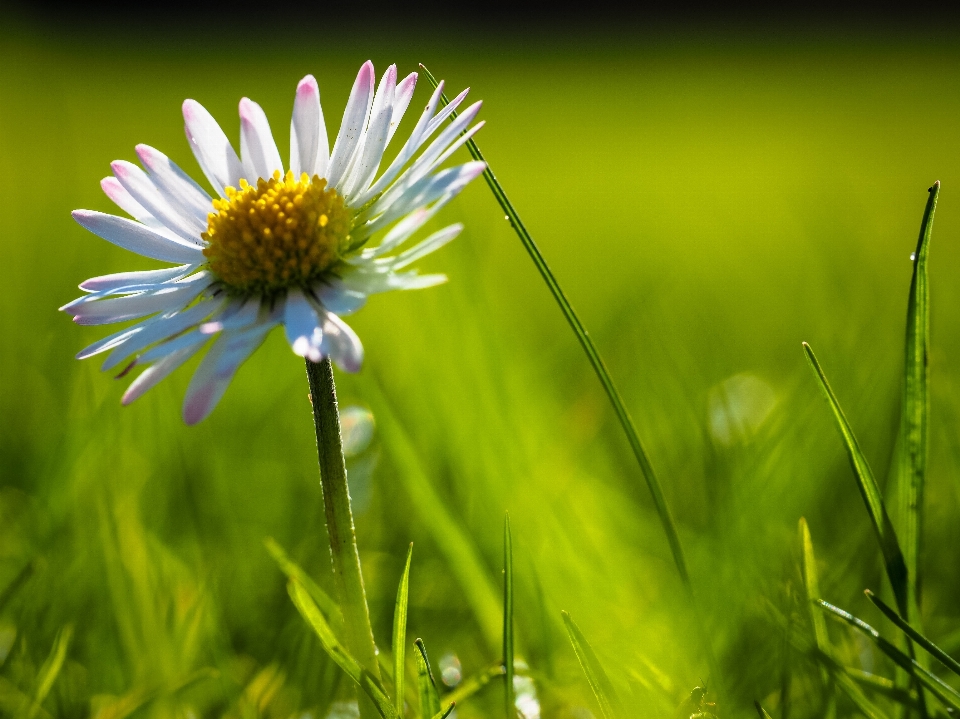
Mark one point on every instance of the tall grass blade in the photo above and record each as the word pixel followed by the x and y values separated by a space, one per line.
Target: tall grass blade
pixel 50 669
pixel 597 678
pixel 811 584
pixel 915 411
pixel 426 684
pixel 400 633
pixel 943 691
pixel 646 468
pixel 444 713
pixel 509 700
pixel 462 557
pixel 893 560
pixel 944 658
pixel 311 613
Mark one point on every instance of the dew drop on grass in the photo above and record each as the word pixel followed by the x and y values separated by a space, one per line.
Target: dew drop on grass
pixel 913 256
pixel 356 429
pixel 450 670
pixel 738 407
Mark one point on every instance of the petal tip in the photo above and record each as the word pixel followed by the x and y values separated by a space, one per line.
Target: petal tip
pixel 308 86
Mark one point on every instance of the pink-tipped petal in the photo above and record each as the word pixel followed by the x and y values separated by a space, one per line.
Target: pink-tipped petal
pixel 354 121
pixel 402 101
pixel 210 146
pixel 374 141
pixel 309 151
pixel 143 190
pixel 176 186
pixel 258 150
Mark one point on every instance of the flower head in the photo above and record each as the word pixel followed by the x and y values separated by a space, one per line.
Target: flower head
pixel 288 246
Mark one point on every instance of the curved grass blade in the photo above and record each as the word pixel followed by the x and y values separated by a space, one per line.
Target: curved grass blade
pixel 646 468
pixel 311 613
pixel 295 572
pixel 943 691
pixel 443 714
pixel 471 686
pixel 51 669
pixel 893 560
pixel 883 686
pixel 510 702
pixel 599 682
pixel 761 711
pixel 427 685
pixel 915 410
pixel 400 633
pixel 811 583
pixel 944 658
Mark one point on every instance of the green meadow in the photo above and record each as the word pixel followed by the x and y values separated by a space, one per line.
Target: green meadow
pixel 708 202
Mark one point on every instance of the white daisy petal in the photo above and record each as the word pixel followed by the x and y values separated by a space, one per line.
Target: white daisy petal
pixel 124 200
pixel 426 190
pixel 354 121
pixel 153 374
pixel 164 327
pixel 210 146
pixel 402 101
pixel 258 150
pixel 138 238
pixel 238 315
pixel 132 307
pixel 441 116
pixel 119 280
pixel 370 152
pixel 341 344
pixel 336 298
pixel 433 243
pixel 114 340
pixel 217 369
pixel 302 325
pixel 408 150
pixel 308 135
pixel 141 188
pixel 176 186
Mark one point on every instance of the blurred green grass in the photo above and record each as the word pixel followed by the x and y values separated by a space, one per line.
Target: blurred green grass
pixel 706 202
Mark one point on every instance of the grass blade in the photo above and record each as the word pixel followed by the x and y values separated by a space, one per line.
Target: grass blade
pixel 457 547
pixel 943 691
pixel 471 686
pixel 944 658
pixel 51 669
pixel 445 712
pixel 427 685
pixel 893 559
pixel 598 680
pixel 509 700
pixel 761 711
pixel 811 584
pixel 646 468
pixel 915 411
pixel 311 613
pixel 400 633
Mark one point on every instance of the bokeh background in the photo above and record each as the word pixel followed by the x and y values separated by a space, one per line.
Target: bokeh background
pixel 709 195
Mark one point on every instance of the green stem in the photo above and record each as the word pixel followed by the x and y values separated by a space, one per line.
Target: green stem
pixel 343 540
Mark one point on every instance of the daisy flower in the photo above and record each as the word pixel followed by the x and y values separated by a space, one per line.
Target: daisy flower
pixel 274 246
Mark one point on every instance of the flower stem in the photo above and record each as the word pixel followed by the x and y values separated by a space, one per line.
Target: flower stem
pixel 343 540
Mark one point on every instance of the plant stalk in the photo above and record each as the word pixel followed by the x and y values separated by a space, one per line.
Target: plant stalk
pixel 348 577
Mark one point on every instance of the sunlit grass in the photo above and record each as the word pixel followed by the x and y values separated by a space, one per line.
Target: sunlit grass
pixel 706 206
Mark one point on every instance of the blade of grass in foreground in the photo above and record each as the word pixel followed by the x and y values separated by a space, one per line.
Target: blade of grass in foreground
pixel 331 645
pixel 400 633
pixel 893 560
pixel 597 678
pixel 944 658
pixel 429 697
pixel 50 669
pixel 294 571
pixel 761 711
pixel 646 468
pixel 915 411
pixel 508 619
pixel 811 583
pixel 943 691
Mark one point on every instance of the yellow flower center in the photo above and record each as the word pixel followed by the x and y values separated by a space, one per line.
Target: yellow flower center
pixel 281 233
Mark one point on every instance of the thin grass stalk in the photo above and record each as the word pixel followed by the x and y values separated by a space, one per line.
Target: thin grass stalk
pixel 646 468
pixel 915 414
pixel 348 577
pixel 510 710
